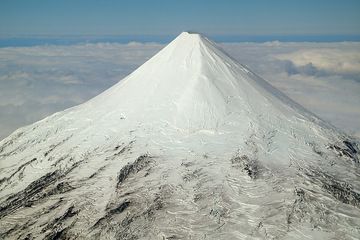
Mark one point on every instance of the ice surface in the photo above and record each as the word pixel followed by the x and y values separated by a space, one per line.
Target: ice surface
pixel 191 145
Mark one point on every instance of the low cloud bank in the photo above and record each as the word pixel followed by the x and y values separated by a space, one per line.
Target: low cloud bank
pixel 326 61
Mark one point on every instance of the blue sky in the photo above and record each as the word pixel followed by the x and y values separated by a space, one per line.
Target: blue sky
pixel 169 17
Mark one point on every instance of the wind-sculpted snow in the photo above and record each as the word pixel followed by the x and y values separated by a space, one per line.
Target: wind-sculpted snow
pixel 192 145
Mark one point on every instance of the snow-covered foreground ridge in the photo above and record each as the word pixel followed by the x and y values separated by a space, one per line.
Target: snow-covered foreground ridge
pixel 191 145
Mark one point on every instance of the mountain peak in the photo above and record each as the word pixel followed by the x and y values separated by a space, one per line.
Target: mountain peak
pixel 196 86
pixel 190 144
pixel 185 42
pixel 190 34
pixel 189 37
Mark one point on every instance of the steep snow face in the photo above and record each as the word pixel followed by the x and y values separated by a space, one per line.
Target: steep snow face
pixel 191 85
pixel 190 145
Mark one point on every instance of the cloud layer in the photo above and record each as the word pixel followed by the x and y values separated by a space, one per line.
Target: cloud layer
pixel 326 60
pixel 38 81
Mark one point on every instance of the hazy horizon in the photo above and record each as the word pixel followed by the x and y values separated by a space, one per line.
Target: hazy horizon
pixel 38 40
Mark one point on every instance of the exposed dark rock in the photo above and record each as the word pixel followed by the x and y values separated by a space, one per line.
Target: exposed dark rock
pixel 99 222
pixel 53 146
pixel 126 148
pixel 240 159
pixel 3 180
pixel 351 146
pixel 316 149
pixel 118 146
pixel 28 237
pixel 119 209
pixel 73 166
pixel 132 168
pixel 52 207
pixel 247 165
pixel 192 175
pixel 62 158
pixel 300 193
pixel 348 149
pixel 298 208
pixel 134 223
pixel 128 220
pixel 8 232
pixel 61 188
pixel 155 206
pixel 110 212
pixel 187 164
pixel 29 195
pixel 197 197
pixel 59 234
pixel 20 168
pixel 6 144
pixel 97 172
pixel 251 170
pixel 37 191
pixel 218 213
pixel 57 226
pixel 172 237
pixel 340 190
pixel 9 143
pixel 58 222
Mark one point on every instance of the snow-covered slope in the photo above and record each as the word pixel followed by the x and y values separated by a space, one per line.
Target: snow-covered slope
pixel 191 145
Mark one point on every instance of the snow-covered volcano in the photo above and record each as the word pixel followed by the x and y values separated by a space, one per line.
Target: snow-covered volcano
pixel 191 145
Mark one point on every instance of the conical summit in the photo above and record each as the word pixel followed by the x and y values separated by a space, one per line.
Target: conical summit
pixel 191 145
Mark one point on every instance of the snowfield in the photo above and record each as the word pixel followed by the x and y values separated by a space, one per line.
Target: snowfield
pixel 191 145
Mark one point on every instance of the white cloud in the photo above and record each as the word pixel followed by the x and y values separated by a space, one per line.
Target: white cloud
pixel 38 81
pixel 339 61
